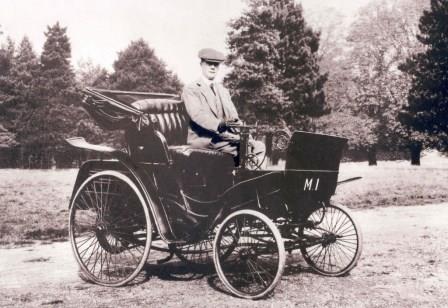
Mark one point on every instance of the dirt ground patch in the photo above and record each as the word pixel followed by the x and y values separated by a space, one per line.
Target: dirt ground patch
pixel 403 264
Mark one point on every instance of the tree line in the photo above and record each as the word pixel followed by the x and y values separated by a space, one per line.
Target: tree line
pixel 381 81
pixel 40 96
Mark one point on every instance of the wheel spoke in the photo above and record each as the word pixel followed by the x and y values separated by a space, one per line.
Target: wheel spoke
pixel 339 239
pixel 253 267
pixel 89 246
pixel 109 228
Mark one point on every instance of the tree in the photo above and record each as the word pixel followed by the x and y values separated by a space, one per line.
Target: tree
pixel 6 84
pixel 359 130
pixel 301 79
pixel 379 42
pixel 332 54
pixel 24 74
pixel 253 56
pixel 334 60
pixel 91 75
pixel 57 76
pixel 427 111
pixel 275 74
pixel 139 69
pixel 56 111
pixel 8 140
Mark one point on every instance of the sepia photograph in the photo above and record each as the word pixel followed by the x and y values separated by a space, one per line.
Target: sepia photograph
pixel 223 153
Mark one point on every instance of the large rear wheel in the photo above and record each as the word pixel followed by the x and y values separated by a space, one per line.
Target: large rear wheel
pixel 332 247
pixel 249 254
pixel 110 229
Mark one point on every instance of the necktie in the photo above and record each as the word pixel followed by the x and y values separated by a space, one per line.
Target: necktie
pixel 219 106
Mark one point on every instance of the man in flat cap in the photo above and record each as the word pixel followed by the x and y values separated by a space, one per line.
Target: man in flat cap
pixel 210 107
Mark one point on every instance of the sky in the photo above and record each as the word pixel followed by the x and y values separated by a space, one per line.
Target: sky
pixel 175 29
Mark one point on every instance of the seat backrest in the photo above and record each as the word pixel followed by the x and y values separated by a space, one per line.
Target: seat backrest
pixel 170 115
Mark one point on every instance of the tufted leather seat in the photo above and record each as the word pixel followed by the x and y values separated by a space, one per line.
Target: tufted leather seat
pixel 169 116
pixel 171 119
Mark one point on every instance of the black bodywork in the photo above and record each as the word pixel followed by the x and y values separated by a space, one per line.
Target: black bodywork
pixel 189 191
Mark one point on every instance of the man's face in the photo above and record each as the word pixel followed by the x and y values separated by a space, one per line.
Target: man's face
pixel 209 69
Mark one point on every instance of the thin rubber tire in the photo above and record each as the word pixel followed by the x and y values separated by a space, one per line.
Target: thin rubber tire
pixel 258 238
pixel 107 239
pixel 341 253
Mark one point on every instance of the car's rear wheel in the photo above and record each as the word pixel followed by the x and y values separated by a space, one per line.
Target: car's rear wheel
pixel 109 229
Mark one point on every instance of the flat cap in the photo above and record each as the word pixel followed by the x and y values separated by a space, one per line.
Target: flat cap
pixel 211 55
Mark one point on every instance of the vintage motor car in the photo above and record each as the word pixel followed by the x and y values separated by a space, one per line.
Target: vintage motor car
pixel 204 206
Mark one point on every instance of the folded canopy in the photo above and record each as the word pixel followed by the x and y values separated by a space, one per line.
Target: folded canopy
pixel 112 109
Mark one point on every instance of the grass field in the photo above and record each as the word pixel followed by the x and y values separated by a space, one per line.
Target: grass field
pixel 34 203
pixel 394 183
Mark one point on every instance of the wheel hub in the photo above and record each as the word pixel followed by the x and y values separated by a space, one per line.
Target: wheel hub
pixel 248 254
pixel 108 240
pixel 101 227
pixel 328 239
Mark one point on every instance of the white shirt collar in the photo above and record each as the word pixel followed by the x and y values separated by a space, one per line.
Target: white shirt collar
pixel 208 82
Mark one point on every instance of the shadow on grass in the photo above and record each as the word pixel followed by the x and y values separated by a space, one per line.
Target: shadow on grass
pixel 179 271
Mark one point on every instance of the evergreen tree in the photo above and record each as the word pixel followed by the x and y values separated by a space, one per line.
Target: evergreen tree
pixel 8 138
pixel 57 111
pixel 427 111
pixel 57 76
pixel 139 69
pixel 6 56
pixel 253 45
pixel 24 74
pixel 272 44
pixel 6 85
pixel 302 82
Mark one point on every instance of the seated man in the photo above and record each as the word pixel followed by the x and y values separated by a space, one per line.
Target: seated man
pixel 210 107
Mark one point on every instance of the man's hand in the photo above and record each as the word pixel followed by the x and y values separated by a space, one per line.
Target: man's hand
pixel 236 122
pixel 228 126
pixel 226 136
pixel 222 126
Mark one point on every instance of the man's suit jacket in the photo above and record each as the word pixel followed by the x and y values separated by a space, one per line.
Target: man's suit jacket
pixel 206 110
